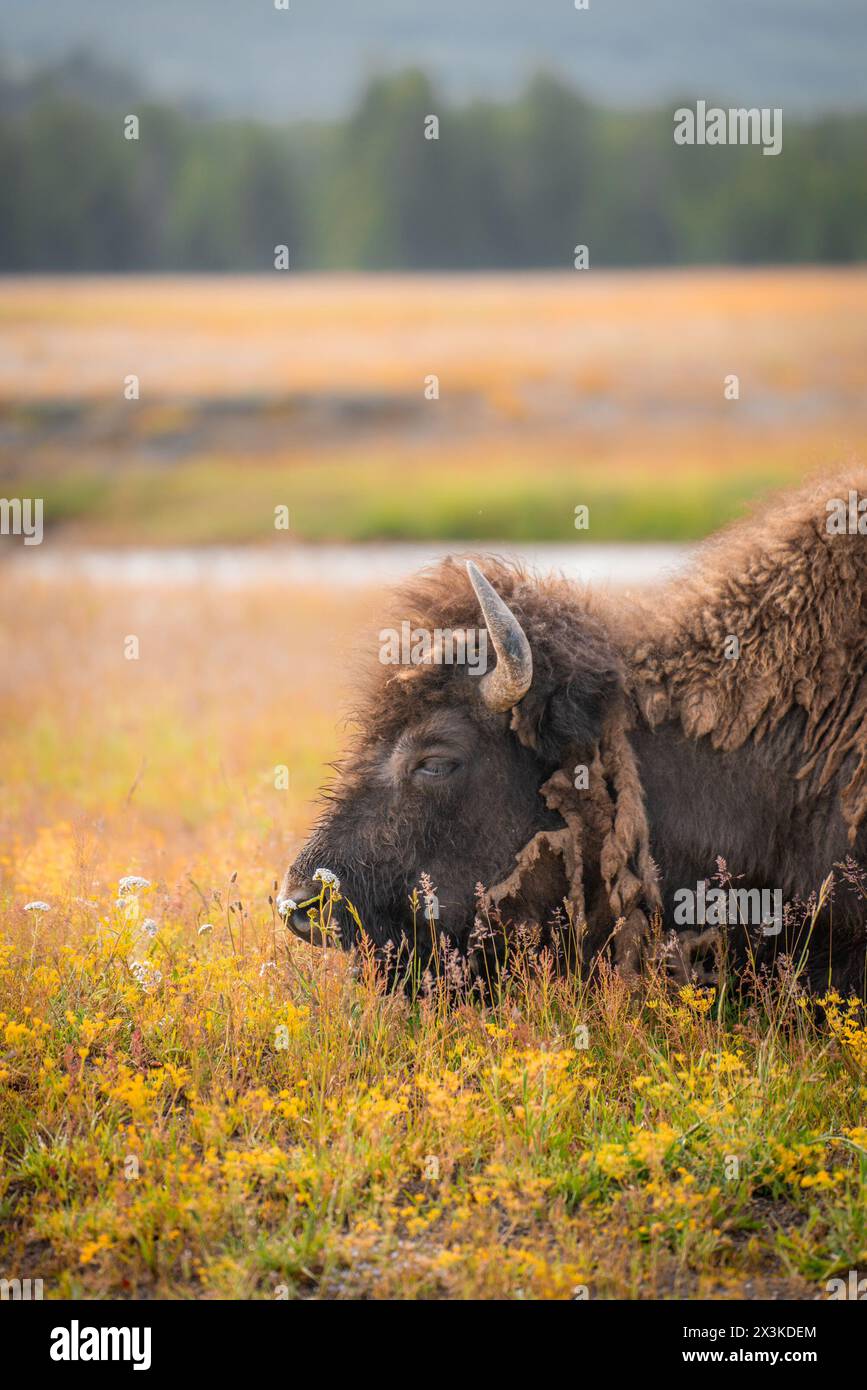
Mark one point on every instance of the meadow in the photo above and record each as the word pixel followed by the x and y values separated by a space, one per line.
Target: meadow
pixel 194 1104
pixel 554 390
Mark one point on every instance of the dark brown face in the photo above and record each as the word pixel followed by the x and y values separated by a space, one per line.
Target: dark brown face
pixel 453 796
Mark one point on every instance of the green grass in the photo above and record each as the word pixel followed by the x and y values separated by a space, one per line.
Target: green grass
pixel 204 502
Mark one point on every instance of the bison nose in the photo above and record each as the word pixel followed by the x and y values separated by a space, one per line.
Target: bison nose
pixel 296 900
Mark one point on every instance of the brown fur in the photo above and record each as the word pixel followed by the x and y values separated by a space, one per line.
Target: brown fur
pixel 796 597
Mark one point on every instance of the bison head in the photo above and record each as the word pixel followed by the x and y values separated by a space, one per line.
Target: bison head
pixel 444 775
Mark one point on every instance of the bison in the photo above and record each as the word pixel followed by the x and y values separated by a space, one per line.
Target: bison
pixel 621 755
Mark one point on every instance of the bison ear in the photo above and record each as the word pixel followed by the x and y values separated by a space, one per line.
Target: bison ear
pixel 566 719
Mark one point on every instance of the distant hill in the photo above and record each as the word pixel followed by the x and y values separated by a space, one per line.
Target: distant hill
pixel 243 56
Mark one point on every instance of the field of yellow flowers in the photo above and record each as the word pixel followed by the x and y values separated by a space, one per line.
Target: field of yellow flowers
pixel 193 1105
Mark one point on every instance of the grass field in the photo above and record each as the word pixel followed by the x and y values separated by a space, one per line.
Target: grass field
pixel 554 390
pixel 193 1105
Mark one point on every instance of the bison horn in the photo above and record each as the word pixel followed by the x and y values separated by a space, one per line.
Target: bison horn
pixel 513 674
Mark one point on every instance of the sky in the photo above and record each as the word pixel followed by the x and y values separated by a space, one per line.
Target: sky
pixel 244 56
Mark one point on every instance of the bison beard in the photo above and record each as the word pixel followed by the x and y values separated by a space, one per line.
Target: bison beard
pixel 607 827
pixel 628 689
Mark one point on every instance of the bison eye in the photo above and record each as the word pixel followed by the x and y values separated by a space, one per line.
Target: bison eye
pixel 435 767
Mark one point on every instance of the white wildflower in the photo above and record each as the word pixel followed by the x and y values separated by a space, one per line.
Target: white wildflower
pixel 285 906
pixel 205 928
pixel 131 883
pixel 145 975
pixel 37 907
pixel 328 878
pixel 149 926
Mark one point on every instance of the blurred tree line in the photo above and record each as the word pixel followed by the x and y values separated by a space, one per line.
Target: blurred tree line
pixel 505 185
